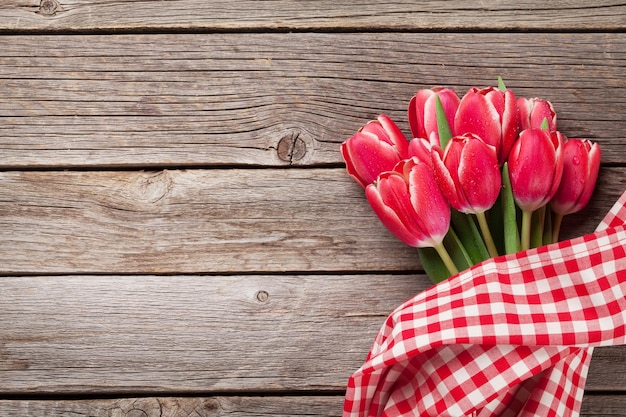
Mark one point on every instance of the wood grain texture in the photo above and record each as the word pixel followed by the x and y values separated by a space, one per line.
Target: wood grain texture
pixel 123 335
pixel 210 221
pixel 192 221
pixel 276 99
pixel 192 246
pixel 312 406
pixel 150 334
pixel 82 15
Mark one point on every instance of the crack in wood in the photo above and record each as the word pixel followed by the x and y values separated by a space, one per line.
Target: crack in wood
pixel 291 148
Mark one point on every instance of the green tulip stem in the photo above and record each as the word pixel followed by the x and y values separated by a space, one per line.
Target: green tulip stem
pixel 556 227
pixel 537 226
pixel 447 260
pixel 526 223
pixel 484 228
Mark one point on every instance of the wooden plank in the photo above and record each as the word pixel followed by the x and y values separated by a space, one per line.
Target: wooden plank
pixel 82 15
pixel 312 406
pixel 605 372
pixel 603 405
pixel 192 221
pixel 276 99
pixel 210 221
pixel 124 335
pixel 150 334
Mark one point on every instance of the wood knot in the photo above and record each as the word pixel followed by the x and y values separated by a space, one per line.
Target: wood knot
pixel 210 404
pixel 48 7
pixel 153 187
pixel 291 148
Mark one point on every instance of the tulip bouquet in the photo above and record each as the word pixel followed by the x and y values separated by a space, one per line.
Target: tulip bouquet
pixel 481 189
pixel 483 175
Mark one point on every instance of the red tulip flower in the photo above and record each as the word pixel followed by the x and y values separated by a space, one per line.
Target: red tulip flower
pixel 492 115
pixel 469 177
pixel 533 111
pixel 423 112
pixel 468 174
pixel 410 204
pixel 377 147
pixel 536 167
pixel 581 164
pixel 535 170
pixel 421 149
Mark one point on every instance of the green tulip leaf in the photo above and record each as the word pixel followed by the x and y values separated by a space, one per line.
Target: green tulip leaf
pixel 544 124
pixel 470 237
pixel 501 85
pixel 547 228
pixel 511 232
pixel 457 251
pixel 443 128
pixel 433 265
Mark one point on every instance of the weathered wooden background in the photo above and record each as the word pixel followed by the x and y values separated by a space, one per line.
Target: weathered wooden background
pixel 178 235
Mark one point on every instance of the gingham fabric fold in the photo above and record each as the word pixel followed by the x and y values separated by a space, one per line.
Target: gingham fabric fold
pixel 512 336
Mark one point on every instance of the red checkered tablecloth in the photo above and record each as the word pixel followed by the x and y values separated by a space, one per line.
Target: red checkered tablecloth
pixel 512 336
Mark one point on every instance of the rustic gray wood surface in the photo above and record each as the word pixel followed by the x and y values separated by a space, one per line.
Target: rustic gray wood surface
pixel 310 406
pixel 81 15
pixel 210 221
pixel 276 99
pixel 178 235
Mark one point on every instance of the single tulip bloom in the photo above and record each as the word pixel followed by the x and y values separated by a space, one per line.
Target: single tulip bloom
pixel 423 112
pixel 468 174
pixel 532 112
pixel 535 167
pixel 492 115
pixel 377 147
pixel 410 204
pixel 581 164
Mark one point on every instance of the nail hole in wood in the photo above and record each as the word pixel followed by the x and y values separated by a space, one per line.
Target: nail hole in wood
pixel 262 296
